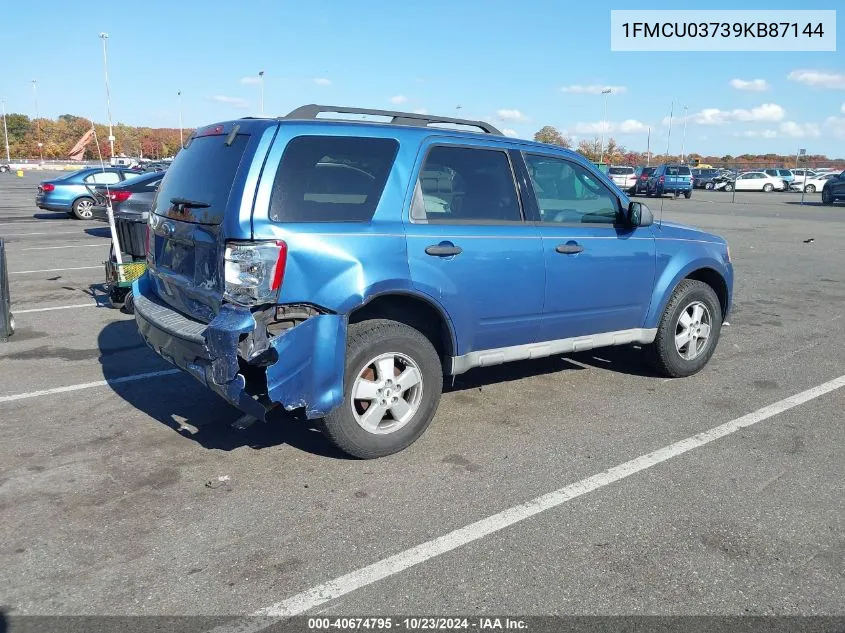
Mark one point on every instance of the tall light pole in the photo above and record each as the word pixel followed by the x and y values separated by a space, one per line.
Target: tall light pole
pixel 684 137
pixel 669 135
pixel 105 37
pixel 261 82
pixel 5 131
pixel 37 121
pixel 605 92
pixel 181 142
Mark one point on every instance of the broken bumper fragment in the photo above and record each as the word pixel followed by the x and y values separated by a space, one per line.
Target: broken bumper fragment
pixel 300 368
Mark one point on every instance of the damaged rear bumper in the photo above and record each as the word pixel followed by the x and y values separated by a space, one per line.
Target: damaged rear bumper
pixel 301 368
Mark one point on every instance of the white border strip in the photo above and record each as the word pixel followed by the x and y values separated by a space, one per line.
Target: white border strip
pixel 316 596
pixel 52 270
pixel 77 305
pixel 88 385
pixel 52 248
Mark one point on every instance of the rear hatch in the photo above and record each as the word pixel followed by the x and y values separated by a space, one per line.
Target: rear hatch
pixel 677 176
pixel 187 238
pixel 621 175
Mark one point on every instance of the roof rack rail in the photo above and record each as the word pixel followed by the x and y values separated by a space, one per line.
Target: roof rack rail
pixel 396 118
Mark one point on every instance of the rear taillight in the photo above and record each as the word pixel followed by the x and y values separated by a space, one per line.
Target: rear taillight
pixel 119 196
pixel 662 179
pixel 47 187
pixel 254 271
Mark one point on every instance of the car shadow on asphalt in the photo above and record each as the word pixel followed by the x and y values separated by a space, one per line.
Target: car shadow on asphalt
pixel 100 231
pixel 59 215
pixel 181 403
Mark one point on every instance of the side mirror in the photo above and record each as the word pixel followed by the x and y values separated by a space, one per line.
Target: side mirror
pixel 639 215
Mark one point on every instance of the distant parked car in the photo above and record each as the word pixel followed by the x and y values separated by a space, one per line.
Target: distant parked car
pixel 757 181
pixel 675 179
pixel 784 174
pixel 834 189
pixel 72 193
pixel 804 174
pixel 623 177
pixel 641 176
pixel 132 195
pixel 703 178
pixel 814 184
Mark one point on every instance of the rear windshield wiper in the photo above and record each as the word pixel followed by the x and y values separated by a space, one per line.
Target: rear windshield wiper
pixel 185 203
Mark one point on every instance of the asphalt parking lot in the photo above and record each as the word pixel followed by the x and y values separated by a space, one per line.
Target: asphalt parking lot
pixel 137 497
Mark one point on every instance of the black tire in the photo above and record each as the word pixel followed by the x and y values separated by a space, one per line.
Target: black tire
pixel 768 187
pixel 366 341
pixel 128 303
pixel 827 196
pixel 729 187
pixel 709 186
pixel 117 295
pixel 810 189
pixel 687 194
pixel 663 354
pixel 82 208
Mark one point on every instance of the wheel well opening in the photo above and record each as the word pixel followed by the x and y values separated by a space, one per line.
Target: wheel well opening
pixel 715 281
pixel 412 311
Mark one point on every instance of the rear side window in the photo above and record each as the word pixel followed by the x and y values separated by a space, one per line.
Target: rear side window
pixel 784 172
pixel 462 184
pixel 204 172
pixel 331 179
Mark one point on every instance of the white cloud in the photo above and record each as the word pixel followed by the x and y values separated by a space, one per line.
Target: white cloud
pixel 835 125
pixel 768 112
pixel 322 81
pixel 509 132
pixel 818 79
pixel 800 130
pixel 752 85
pixel 420 111
pixel 758 134
pixel 250 80
pixel 511 115
pixel 593 89
pixel 235 102
pixel 629 126
pixel 632 126
pixel 398 99
pixel 843 108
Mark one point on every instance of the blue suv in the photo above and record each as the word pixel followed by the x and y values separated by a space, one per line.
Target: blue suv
pixel 343 268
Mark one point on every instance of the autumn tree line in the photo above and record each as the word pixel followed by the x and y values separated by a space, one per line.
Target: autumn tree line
pixel 616 154
pixel 60 135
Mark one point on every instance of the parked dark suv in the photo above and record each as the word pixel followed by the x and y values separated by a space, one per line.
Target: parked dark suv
pixel 344 268
pixel 641 175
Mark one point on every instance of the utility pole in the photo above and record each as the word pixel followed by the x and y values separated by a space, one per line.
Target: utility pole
pixel 37 121
pixel 261 82
pixel 605 92
pixel 105 37
pixel 648 149
pixel 181 142
pixel 5 131
pixel 684 138
pixel 669 135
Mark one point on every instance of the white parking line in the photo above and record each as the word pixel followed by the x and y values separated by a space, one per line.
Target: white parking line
pixel 88 385
pixel 52 270
pixel 50 248
pixel 76 305
pixel 8 235
pixel 397 563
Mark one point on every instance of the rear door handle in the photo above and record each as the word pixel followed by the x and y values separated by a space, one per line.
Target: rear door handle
pixel 446 249
pixel 570 248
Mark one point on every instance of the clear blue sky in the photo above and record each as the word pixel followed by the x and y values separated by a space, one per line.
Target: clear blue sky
pixel 509 62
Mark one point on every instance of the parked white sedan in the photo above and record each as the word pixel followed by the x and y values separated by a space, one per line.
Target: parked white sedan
pixel 756 181
pixel 817 184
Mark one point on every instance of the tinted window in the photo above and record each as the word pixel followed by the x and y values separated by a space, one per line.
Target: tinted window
pixel 103 178
pixel 568 193
pixel 620 171
pixel 331 179
pixel 204 171
pixel 648 171
pixel 463 184
pixel 784 172
pixel 677 170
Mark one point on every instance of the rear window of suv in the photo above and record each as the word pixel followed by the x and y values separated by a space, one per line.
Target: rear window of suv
pixel 203 171
pixel 620 171
pixel 331 179
pixel 677 170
